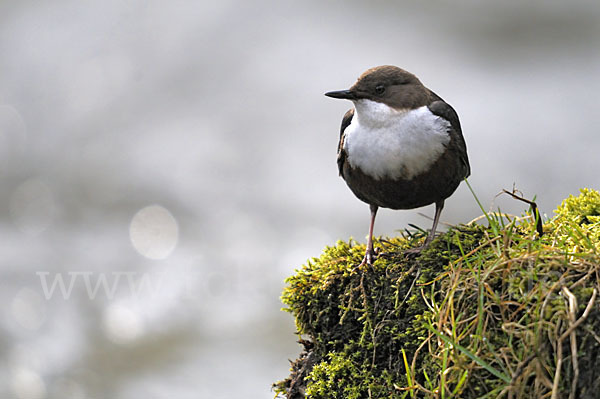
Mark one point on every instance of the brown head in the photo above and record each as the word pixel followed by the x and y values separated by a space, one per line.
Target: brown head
pixel 389 85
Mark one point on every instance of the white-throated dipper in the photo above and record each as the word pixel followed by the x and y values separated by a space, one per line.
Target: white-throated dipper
pixel 401 146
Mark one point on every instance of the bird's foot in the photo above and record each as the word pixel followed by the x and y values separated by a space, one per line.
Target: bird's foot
pixel 383 254
pixel 369 259
pixel 417 250
pixel 414 251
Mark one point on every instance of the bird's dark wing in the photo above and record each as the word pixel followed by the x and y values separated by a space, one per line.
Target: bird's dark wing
pixel 341 154
pixel 457 141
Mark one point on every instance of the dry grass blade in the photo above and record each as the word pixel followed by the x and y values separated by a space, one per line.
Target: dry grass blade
pixel 570 332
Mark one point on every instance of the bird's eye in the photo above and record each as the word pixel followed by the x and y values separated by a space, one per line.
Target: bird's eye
pixel 379 89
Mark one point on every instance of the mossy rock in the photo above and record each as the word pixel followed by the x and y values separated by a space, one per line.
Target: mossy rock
pixel 484 312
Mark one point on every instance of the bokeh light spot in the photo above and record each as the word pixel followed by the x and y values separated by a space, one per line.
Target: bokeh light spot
pixel 154 232
pixel 27 384
pixel 32 207
pixel 28 309
pixel 121 324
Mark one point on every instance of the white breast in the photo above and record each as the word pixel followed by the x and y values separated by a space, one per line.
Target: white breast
pixel 384 142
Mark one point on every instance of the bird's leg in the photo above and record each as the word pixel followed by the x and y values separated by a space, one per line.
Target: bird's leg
pixel 370 255
pixel 438 211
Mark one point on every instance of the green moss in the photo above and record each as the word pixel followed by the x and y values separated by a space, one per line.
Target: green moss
pixel 339 376
pixel 577 225
pixel 476 315
pixel 583 209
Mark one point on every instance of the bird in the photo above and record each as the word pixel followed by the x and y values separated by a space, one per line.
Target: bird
pixel 401 146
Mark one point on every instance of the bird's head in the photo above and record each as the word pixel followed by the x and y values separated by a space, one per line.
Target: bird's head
pixel 389 85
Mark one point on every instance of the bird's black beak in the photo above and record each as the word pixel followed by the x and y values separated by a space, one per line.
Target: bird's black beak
pixel 343 94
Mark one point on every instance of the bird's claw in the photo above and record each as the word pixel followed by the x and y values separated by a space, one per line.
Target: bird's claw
pixel 417 250
pixel 414 251
pixel 369 259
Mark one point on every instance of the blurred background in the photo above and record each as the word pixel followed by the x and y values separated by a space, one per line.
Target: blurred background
pixel 165 165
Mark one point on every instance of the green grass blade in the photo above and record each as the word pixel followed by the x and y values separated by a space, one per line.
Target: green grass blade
pixel 493 223
pixel 471 355
pixel 408 376
pixel 462 380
